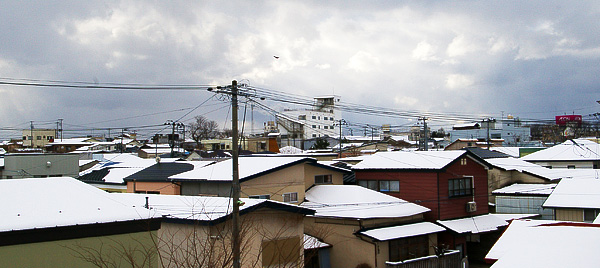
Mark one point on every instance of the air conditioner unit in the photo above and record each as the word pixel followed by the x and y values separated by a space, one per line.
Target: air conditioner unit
pixel 471 206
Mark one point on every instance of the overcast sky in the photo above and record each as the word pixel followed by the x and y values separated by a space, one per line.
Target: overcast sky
pixel 531 59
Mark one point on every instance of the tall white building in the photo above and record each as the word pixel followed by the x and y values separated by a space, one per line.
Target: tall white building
pixel 318 121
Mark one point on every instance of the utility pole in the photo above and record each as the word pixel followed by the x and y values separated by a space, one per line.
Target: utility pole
pixel 488 121
pixel 31 133
pixel 341 122
pixel 61 128
pixel 425 134
pixel 236 241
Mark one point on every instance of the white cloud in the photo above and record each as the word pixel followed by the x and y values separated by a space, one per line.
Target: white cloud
pixel 363 62
pixel 425 52
pixel 458 81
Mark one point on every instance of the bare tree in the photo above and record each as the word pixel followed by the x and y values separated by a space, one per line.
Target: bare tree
pixel 202 129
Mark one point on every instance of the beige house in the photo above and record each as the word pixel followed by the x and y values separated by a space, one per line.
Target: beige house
pixel 38 138
pixel 196 231
pixel 276 178
pixel 367 227
pixel 575 199
pixel 61 222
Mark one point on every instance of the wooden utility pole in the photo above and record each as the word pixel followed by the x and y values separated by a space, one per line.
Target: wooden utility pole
pixel 236 177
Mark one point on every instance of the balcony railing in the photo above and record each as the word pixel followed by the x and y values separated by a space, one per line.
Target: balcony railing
pixel 450 259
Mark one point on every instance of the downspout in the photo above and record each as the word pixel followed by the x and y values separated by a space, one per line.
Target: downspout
pixel 370 242
pixel 438 195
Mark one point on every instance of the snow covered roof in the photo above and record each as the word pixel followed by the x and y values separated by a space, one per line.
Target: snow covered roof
pixel 476 224
pixel 409 160
pixel 198 208
pixel 526 189
pixel 539 171
pixel 62 201
pixel 548 244
pixel 72 141
pixel 512 151
pixel 248 167
pixel 311 242
pixel 571 150
pixel 356 202
pixel 290 150
pixel 401 231
pixel 575 193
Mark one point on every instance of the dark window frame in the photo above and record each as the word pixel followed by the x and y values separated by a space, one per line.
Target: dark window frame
pixel 460 187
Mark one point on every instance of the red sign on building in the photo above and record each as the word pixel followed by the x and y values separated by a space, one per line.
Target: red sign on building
pixel 562 120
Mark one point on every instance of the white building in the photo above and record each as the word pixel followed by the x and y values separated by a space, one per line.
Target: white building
pixel 318 121
pixel 511 130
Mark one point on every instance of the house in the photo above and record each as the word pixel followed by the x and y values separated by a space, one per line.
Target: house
pixel 460 144
pixel 111 170
pixel 571 154
pixel 452 184
pixel 38 138
pixel 547 244
pixel 39 165
pixel 275 177
pixel 69 145
pixel 62 222
pixel 155 178
pixel 316 122
pixel 575 199
pixel 508 171
pixel 523 198
pixel 157 150
pixel 196 230
pixel 367 227
pixel 510 130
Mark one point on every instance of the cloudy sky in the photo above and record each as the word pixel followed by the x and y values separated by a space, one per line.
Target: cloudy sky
pixel 531 59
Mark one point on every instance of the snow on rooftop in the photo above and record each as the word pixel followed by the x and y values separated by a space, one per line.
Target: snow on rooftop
pixel 548 244
pixel 575 193
pixel 201 208
pixel 476 224
pixel 248 166
pixel 409 160
pixel 311 242
pixel 571 150
pixel 512 151
pixel 356 202
pixel 520 165
pixel 62 201
pixel 526 189
pixel 290 150
pixel 402 231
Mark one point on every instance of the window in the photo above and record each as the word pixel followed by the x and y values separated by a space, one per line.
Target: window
pixel 463 161
pixel 314 135
pixel 261 196
pixel 460 187
pixel 589 215
pixel 409 248
pixel 314 117
pixel 325 127
pixel 330 118
pixel 25 138
pixel 319 179
pixel 314 126
pixel 290 197
pixel 382 186
pixel 39 138
pixel 325 118
pixel 368 184
pixel 147 192
pixel 389 186
pixel 302 117
pixel 571 166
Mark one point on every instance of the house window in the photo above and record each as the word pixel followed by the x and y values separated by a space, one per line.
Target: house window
pixel 314 117
pixel 325 127
pixel 261 196
pixel 39 138
pixel 320 179
pixel 409 248
pixel 325 118
pixel 330 118
pixel 463 161
pixel 589 214
pixel 368 184
pixel 571 166
pixel 460 187
pixel 147 192
pixel 314 126
pixel 302 117
pixel 290 197
pixel 389 186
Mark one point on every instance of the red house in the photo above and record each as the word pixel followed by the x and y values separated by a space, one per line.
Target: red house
pixel 453 184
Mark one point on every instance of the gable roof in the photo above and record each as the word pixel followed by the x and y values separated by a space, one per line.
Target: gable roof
pixel 538 243
pixel 161 171
pixel 526 189
pixel 202 209
pixel 410 160
pixel 575 193
pixel 356 202
pixel 249 167
pixel 571 150
pixel 56 202
pixel 485 153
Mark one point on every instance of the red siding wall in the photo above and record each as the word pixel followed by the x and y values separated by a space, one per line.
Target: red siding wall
pixel 421 187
